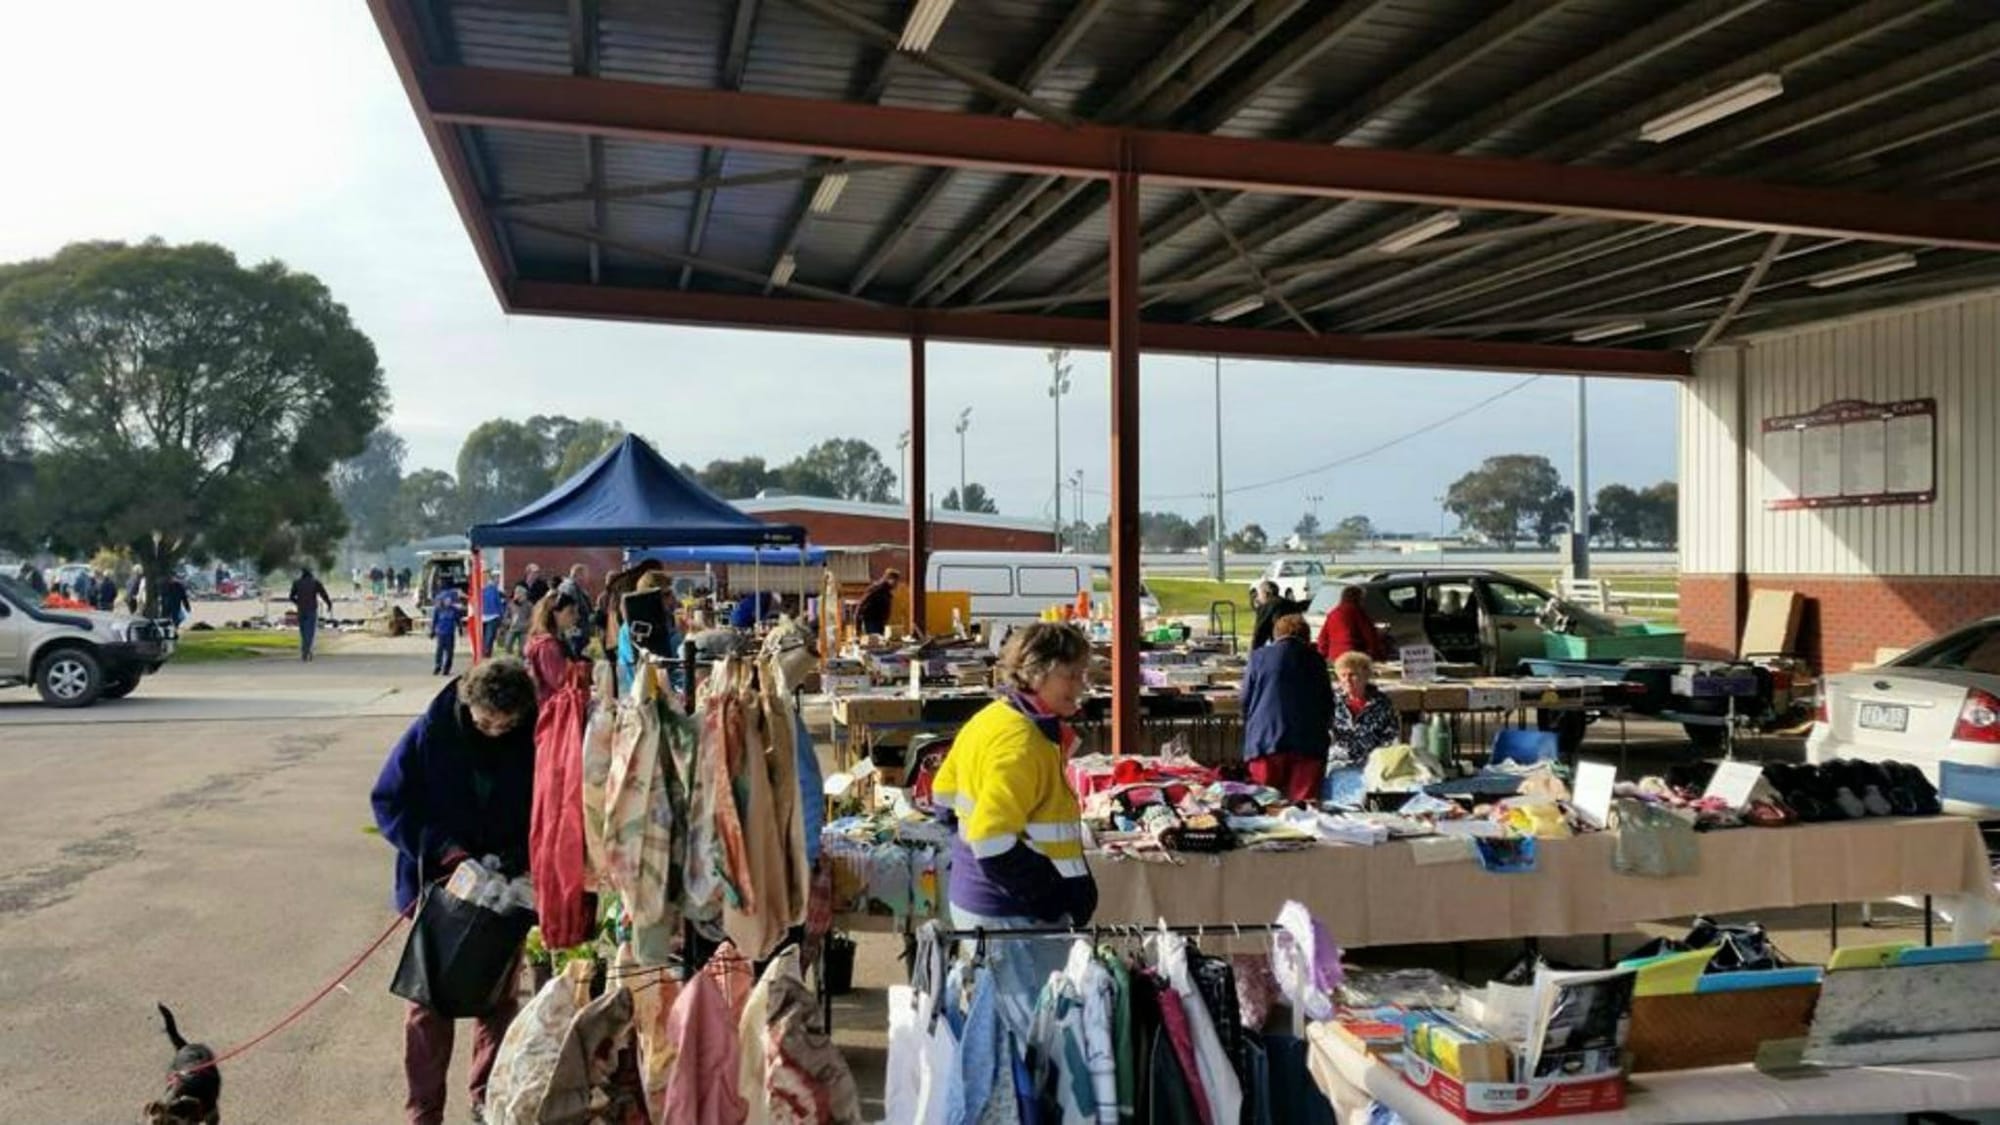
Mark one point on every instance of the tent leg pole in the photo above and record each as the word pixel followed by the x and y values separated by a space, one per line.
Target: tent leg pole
pixel 919 519
pixel 1125 240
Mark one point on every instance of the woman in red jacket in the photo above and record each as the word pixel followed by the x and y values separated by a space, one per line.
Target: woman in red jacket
pixel 1347 629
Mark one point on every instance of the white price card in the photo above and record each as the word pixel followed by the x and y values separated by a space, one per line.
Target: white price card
pixel 1733 782
pixel 1594 781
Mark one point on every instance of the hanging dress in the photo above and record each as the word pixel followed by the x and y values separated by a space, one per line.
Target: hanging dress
pixel 555 830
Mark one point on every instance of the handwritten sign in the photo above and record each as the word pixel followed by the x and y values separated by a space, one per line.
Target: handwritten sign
pixel 1420 664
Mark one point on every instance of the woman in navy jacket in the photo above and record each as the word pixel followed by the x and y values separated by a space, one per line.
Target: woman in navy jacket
pixel 1287 712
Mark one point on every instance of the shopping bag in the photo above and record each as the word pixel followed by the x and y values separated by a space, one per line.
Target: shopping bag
pixel 460 958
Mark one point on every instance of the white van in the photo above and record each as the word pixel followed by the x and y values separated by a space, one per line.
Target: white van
pixel 1012 587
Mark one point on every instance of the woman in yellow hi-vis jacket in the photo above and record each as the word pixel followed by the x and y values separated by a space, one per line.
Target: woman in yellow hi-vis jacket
pixel 1018 860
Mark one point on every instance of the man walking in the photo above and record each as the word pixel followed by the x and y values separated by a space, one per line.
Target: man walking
pixel 492 609
pixel 307 594
pixel 447 610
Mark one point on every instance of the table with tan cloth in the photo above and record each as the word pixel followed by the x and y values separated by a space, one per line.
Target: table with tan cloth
pixel 1352 1080
pixel 1381 896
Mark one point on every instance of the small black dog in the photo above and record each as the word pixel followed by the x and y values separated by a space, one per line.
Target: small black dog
pixel 194 1084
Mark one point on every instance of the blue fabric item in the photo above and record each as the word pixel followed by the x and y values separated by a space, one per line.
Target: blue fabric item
pixel 1287 701
pixel 428 799
pixel 1024 1087
pixel 812 788
pixel 631 497
pixel 980 1046
pixel 308 628
pixel 747 612
pixel 1346 788
pixel 492 603
pixel 1019 968
pixel 447 650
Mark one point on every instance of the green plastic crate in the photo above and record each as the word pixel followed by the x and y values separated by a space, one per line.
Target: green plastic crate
pixel 1653 640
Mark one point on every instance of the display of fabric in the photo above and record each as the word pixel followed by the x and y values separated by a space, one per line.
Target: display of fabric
pixel 789 1071
pixel 555 832
pixel 1218 1070
pixel 588 1086
pixel 748 728
pixel 702 1086
pixel 532 1046
pixel 597 739
pixel 638 823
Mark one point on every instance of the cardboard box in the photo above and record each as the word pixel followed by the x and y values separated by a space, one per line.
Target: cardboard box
pixel 1771 628
pixel 1447 697
pixel 1492 697
pixel 1513 1101
pixel 1408 698
pixel 860 710
pixel 844 684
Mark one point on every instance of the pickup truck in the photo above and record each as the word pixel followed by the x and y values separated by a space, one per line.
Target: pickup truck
pixel 75 657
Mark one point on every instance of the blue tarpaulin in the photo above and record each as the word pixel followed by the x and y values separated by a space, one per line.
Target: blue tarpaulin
pixel 631 497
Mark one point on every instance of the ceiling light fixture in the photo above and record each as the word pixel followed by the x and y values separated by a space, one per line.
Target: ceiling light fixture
pixel 1443 222
pixel 1606 331
pixel 1862 271
pixel 828 193
pixel 781 275
pixel 1723 103
pixel 923 24
pixel 1234 309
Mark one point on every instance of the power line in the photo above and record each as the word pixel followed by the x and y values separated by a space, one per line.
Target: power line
pixel 1352 457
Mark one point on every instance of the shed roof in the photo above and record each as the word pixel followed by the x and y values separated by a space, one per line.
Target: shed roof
pixel 679 162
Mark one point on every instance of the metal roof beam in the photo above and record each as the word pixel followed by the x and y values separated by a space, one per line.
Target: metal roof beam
pixel 512 99
pixel 1859 23
pixel 637 192
pixel 1067 36
pixel 735 60
pixel 1157 109
pixel 789 314
pixel 1635 48
pixel 583 63
pixel 1751 281
pixel 1036 200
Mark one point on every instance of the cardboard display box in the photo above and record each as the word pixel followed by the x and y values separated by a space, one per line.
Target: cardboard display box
pixel 1513 1101
pixel 1689 1030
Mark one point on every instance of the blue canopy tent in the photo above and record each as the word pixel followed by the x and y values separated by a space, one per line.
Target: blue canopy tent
pixel 730 556
pixel 629 497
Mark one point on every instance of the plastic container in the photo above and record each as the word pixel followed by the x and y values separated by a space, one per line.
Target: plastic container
pixel 1656 640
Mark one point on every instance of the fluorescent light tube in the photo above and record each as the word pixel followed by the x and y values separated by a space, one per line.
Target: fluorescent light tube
pixel 1234 309
pixel 830 187
pixel 781 275
pixel 922 26
pixel 1606 331
pixel 1442 223
pixel 1861 271
pixel 1723 103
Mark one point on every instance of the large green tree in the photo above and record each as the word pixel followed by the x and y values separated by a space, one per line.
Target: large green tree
pixel 427 504
pixel 502 466
pixel 178 404
pixel 1506 496
pixel 974 500
pixel 367 487
pixel 736 480
pixel 852 467
pixel 586 442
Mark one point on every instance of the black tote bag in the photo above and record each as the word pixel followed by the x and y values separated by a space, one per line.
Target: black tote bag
pixel 461 957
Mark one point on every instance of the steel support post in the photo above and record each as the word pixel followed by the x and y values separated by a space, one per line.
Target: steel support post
pixel 1125 462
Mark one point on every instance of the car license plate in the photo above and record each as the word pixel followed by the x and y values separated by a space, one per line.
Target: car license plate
pixel 1881 716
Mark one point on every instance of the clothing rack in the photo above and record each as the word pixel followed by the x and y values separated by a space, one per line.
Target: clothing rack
pixel 1199 930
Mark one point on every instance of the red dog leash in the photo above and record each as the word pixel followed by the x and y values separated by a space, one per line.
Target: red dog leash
pixel 243 1048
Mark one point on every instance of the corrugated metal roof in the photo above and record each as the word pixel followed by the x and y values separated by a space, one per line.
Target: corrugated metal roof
pixel 1871 77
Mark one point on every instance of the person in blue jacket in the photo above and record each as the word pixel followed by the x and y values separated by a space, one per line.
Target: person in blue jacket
pixel 1288 712
pixel 492 607
pixel 459 784
pixel 447 610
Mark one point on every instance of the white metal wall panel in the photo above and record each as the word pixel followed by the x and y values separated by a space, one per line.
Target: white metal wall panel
pixel 1709 491
pixel 1950 352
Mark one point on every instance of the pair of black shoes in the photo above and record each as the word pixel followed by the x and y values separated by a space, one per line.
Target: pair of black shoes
pixel 1849 789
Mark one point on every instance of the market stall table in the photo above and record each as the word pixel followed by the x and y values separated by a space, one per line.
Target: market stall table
pixel 1371 896
pixel 1351 1079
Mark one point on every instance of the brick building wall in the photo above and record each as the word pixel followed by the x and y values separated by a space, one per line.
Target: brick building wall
pixel 1845 620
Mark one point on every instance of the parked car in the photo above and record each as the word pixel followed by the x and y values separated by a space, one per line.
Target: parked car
pixel 454 567
pixel 75 657
pixel 1937 703
pixel 1481 617
pixel 1298 579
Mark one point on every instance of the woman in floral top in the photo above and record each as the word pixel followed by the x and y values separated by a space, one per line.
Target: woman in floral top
pixel 1363 718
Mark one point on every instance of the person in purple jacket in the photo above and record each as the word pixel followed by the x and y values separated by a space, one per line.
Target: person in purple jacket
pixel 447 611
pixel 459 784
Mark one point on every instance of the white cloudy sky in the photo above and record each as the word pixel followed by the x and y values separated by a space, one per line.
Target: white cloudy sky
pixel 279 129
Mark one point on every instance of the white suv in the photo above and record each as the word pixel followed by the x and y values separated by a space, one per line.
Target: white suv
pixel 1298 579
pixel 74 657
